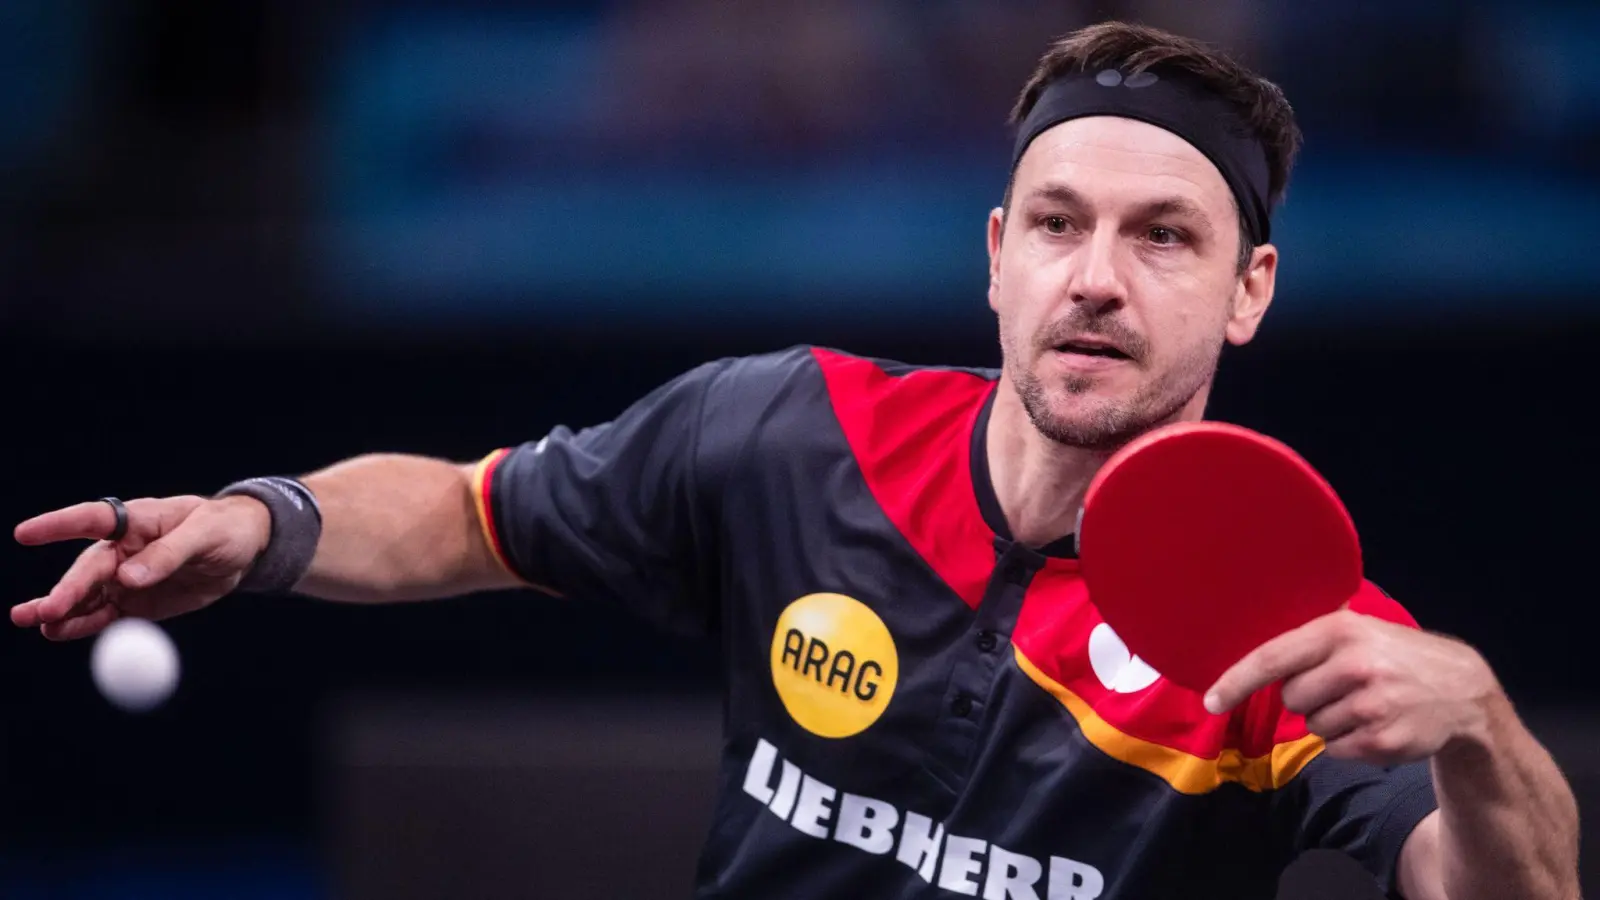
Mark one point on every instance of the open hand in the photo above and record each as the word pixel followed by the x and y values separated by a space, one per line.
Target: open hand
pixel 179 554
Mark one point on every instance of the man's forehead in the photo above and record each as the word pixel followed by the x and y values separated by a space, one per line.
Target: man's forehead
pixel 1107 148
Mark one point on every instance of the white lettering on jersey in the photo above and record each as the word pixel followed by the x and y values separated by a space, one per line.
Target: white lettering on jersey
pixel 964 865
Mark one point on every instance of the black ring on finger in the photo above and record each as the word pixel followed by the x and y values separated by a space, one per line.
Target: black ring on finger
pixel 119 530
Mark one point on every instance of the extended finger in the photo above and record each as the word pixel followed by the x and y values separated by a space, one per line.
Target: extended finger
pixel 1286 655
pixel 93 520
pixel 77 627
pixel 160 602
pixel 96 565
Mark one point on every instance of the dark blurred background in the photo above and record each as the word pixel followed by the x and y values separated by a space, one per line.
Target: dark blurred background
pixel 256 237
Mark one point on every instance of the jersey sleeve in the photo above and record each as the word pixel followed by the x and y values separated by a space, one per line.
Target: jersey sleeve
pixel 1361 810
pixel 627 511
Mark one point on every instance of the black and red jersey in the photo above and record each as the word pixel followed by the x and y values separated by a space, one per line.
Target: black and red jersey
pixel 916 705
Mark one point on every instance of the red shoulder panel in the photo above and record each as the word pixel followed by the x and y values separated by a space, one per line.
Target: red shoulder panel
pixel 910 434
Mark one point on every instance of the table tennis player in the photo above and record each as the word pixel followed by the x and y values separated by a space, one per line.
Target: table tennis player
pixel 921 699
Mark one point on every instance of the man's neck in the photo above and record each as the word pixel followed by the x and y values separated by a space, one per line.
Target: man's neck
pixel 1039 483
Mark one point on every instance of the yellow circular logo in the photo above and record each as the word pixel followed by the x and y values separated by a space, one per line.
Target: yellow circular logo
pixel 834 664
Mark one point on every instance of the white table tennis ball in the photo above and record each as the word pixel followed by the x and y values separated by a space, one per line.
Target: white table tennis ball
pixel 134 664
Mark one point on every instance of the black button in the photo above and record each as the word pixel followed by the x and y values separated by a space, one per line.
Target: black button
pixel 986 641
pixel 961 706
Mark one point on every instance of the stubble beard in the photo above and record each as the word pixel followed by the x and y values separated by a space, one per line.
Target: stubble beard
pixel 1111 423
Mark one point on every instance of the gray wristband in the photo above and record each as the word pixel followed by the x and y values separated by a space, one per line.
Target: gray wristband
pixel 296 529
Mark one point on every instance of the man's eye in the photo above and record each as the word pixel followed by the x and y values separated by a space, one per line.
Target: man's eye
pixel 1164 236
pixel 1055 224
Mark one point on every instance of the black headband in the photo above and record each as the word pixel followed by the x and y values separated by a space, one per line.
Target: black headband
pixel 1175 103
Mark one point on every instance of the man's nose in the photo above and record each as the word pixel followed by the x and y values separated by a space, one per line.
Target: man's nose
pixel 1097 277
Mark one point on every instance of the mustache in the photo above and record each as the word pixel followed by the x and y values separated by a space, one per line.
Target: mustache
pixel 1080 324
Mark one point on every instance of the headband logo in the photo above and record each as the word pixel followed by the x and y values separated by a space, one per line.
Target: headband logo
pixel 1112 78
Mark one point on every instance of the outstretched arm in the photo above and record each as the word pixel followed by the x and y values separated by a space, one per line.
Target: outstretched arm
pixel 399 528
pixel 394 527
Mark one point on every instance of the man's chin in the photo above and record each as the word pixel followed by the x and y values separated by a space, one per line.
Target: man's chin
pixel 1087 423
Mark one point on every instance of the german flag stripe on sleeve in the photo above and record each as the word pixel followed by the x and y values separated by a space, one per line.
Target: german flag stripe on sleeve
pixel 482 484
pixel 483 502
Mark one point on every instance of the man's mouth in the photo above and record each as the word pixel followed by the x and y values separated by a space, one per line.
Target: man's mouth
pixel 1092 348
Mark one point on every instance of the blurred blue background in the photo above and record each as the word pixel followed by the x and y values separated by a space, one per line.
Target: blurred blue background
pixel 254 237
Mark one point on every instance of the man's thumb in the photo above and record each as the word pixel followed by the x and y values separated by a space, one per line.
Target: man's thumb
pixel 163 556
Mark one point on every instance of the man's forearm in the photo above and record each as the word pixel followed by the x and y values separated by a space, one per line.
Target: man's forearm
pixel 1508 820
pixel 398 527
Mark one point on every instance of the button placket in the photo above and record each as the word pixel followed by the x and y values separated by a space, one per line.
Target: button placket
pixel 978 665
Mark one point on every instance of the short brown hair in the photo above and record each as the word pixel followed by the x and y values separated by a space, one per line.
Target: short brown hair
pixel 1260 104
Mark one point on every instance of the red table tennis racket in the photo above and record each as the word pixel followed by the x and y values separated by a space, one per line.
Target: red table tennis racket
pixel 1201 541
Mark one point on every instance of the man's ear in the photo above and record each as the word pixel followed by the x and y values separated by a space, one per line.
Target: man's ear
pixel 997 227
pixel 1253 295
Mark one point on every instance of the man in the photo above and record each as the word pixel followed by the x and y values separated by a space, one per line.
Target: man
pixel 922 701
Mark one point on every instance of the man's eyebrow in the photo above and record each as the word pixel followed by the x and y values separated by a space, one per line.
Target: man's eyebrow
pixel 1065 195
pixel 1177 206
pixel 1056 192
